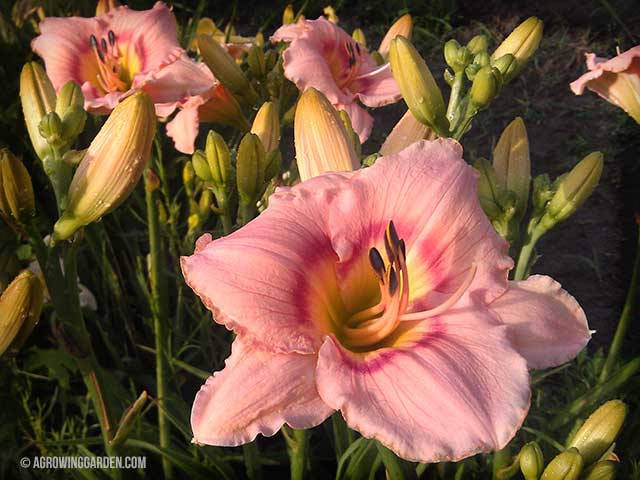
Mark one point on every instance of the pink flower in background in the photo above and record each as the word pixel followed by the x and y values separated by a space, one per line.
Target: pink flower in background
pixel 323 56
pixel 617 80
pixel 381 293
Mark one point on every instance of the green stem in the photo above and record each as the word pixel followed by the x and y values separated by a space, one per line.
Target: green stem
pixel 454 98
pixel 59 174
pixel 298 446
pixel 625 319
pixel 247 213
pixel 397 468
pixel 159 310
pixel 340 434
pixel 524 259
pixel 252 461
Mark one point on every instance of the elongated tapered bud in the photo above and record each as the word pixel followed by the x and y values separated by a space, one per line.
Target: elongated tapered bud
pixel 456 56
pixel 38 98
pixel 105 6
pixel 218 159
pixel 600 430
pixel 20 306
pixel 70 109
pixel 531 461
pixel 16 190
pixel 408 130
pixel 512 163
pixel 250 164
pixel 225 68
pixel 322 143
pixel 267 126
pixel 604 470
pixel 565 466
pixel 257 61
pixel 288 15
pixel 358 36
pixel 478 44
pixel 522 43
pixel 112 165
pixel 485 87
pixel 573 190
pixel 351 133
pixel 128 419
pixel 418 87
pixel 403 27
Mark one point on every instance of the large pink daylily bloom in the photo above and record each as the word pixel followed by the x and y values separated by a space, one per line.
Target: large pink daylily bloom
pixel 323 56
pixel 381 293
pixel 120 51
pixel 617 80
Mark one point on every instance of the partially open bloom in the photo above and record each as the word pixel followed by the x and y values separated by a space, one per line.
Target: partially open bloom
pixel 361 292
pixel 617 80
pixel 117 52
pixel 323 56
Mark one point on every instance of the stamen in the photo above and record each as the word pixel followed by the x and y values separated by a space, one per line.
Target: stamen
pixel 103 44
pixel 358 48
pixel 377 263
pixel 112 38
pixel 393 281
pixel 93 42
pixel 443 307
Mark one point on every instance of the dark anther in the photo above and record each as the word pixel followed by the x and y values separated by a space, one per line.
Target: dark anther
pixel 358 48
pixel 403 249
pixel 351 55
pixel 395 240
pixel 375 259
pixel 391 251
pixel 393 281
pixel 103 44
pixel 112 38
pixel 100 54
pixel 93 42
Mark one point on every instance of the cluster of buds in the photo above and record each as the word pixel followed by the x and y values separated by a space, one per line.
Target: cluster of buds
pixel 487 74
pixel 20 306
pixel 53 122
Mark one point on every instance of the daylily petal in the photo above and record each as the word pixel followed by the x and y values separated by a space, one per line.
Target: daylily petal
pixel 257 279
pixel 257 392
pixel 376 87
pixel 546 324
pixel 183 129
pixel 430 194
pixel 453 388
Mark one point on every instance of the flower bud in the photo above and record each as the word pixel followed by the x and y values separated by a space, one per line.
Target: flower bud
pixel 478 44
pixel 257 61
pixel 188 176
pixel 105 6
pixel 485 87
pixel 330 13
pixel 38 98
pixel 201 166
pixel 482 59
pixel 288 16
pixel 508 66
pixel 573 190
pixel 499 205
pixel 267 126
pixel 225 68
pixel 457 57
pixel 112 165
pixel 20 306
pixel 128 419
pixel 604 470
pixel 565 466
pixel 355 139
pixel 250 169
pixel 204 204
pixel 600 431
pixel 69 96
pixel 321 141
pixel 70 108
pixel 403 27
pixel 16 191
pixel 273 164
pixel 418 87
pixel 522 42
pixel 219 159
pixel 151 181
pixel 531 461
pixel 408 130
pixel 358 36
pixel 50 129
pixel 512 164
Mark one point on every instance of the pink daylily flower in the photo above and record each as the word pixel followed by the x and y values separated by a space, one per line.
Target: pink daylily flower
pixel 323 56
pixel 381 293
pixel 617 80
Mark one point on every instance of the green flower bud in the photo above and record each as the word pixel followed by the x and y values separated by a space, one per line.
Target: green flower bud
pixel 531 461
pixel 51 129
pixel 565 466
pixel 70 108
pixel 522 42
pixel 457 57
pixel 128 420
pixel 38 98
pixel 288 16
pixel 201 166
pixel 20 306
pixel 604 470
pixel 355 139
pixel 273 163
pixel 418 87
pixel 219 159
pixel 543 191
pixel 204 204
pixel 478 44
pixel 512 164
pixel 358 36
pixel 16 191
pixel 485 87
pixel 573 190
pixel 508 66
pixel 600 430
pixel 225 68
pixel 257 61
pixel 250 169
pixel 497 203
pixel 482 59
pixel 267 126
pixel 188 176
